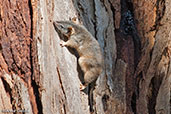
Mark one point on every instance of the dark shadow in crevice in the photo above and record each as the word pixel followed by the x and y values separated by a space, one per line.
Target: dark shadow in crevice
pixel 128 27
pixel 133 103
pixel 153 92
pixel 33 83
pixel 105 98
pixel 37 95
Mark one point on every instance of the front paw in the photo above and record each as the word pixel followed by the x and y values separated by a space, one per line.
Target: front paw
pixel 62 44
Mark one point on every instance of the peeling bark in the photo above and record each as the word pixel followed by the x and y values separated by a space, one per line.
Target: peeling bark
pixel 37 76
pixel 15 55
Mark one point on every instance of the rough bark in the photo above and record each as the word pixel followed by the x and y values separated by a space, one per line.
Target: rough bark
pixel 39 76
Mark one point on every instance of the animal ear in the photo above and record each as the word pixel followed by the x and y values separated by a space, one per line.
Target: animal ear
pixel 74 19
pixel 71 30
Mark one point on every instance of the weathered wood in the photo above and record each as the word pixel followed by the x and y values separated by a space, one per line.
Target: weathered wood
pixel 37 75
pixel 15 45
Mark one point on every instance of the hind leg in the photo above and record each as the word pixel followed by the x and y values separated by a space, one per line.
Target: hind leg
pixel 86 63
pixel 90 72
pixel 91 75
pixel 82 62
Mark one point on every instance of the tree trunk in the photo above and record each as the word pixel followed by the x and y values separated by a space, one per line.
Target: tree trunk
pixel 38 76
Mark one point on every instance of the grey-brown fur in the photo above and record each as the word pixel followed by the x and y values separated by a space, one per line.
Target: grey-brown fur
pixel 90 56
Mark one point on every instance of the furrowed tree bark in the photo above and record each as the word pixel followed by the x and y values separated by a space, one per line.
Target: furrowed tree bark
pixel 38 76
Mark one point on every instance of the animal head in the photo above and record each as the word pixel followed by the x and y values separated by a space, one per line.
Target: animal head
pixel 66 28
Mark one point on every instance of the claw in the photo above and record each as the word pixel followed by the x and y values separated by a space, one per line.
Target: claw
pixel 82 87
pixel 62 44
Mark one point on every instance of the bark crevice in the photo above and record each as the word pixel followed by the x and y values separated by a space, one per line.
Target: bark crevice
pixel 105 99
pixel 160 6
pixel 9 90
pixel 63 91
pixel 37 97
pixel 34 85
pixel 133 103
pixel 153 92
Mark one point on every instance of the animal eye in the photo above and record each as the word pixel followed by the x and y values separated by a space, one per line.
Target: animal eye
pixel 62 26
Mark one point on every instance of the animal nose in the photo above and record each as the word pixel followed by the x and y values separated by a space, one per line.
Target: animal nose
pixel 54 23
